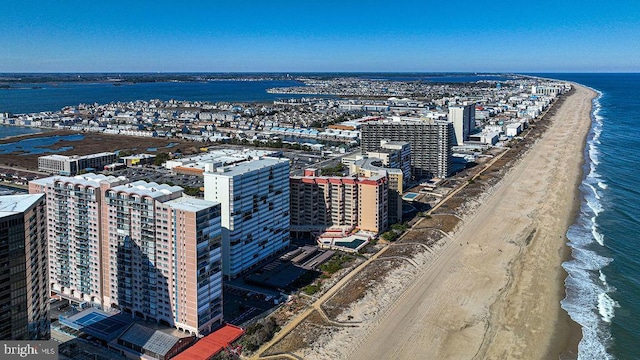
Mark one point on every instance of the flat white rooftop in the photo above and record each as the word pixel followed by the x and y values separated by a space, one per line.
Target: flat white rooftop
pixel 190 204
pixel 248 166
pixel 15 204
pixel 75 157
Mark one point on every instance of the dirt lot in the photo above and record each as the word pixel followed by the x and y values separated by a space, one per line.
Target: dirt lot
pixel 94 143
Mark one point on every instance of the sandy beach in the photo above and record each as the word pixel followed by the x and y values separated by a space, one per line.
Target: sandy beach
pixel 494 290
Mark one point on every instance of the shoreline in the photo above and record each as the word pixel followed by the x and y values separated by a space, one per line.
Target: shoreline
pixel 565 334
pixel 568 332
pixel 495 293
pixel 10 138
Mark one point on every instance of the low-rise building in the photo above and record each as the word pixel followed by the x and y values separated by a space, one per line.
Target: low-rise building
pixel 139 159
pixel 72 165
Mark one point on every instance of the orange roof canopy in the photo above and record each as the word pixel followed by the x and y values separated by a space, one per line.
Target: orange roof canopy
pixel 210 345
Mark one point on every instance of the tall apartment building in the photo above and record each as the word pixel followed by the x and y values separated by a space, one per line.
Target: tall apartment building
pixel 72 165
pixel 431 142
pixel 142 248
pixel 371 167
pixel 254 198
pixel 373 205
pixel 74 220
pixel 321 202
pixel 394 155
pixel 164 256
pixel 24 284
pixel 318 202
pixel 463 118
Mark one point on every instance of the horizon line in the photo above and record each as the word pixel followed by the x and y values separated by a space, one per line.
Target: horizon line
pixel 322 72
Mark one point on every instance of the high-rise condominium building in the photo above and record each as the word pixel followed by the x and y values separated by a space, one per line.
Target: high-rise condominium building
pixel 321 202
pixel 142 248
pixel 463 118
pixel 24 276
pixel 164 259
pixel 430 140
pixel 395 155
pixel 371 167
pixel 254 198
pixel 74 230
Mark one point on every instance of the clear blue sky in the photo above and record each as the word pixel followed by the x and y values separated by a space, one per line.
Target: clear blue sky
pixel 294 36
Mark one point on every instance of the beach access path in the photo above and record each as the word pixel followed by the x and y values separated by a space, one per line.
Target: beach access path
pixel 495 292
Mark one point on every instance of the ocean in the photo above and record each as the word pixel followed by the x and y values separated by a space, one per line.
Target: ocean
pixel 603 286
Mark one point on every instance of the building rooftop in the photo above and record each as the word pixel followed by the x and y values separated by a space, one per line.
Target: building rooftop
pixel 248 166
pixel 370 164
pixel 89 179
pixel 149 339
pixel 15 204
pixel 138 156
pixel 408 121
pixel 75 157
pixel 221 157
pixel 395 143
pixel 100 324
pixel 151 189
pixel 190 204
pixel 211 344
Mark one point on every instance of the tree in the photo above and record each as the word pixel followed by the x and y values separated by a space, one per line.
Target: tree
pixel 123 153
pixel 160 159
pixel 390 235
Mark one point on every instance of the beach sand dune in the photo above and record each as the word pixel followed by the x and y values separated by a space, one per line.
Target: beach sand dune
pixel 494 290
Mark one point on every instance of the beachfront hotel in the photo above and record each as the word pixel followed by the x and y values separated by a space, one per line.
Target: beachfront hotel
pixel 141 248
pixel 322 202
pixel 254 198
pixel 431 142
pixel 24 293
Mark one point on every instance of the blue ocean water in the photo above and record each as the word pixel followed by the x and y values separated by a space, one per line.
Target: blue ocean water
pixel 603 286
pixel 27 98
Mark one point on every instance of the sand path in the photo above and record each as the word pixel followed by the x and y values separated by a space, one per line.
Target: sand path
pixel 494 292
